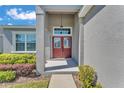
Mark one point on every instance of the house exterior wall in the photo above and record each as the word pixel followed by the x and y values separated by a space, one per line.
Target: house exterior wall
pixel 7 41
pixel 53 20
pixel 1 44
pixel 75 39
pixel 8 38
pixel 1 40
pixel 1 30
pixel 104 44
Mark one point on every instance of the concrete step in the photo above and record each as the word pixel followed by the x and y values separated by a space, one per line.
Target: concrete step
pixel 61 72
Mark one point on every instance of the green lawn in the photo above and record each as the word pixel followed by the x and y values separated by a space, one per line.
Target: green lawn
pixel 33 84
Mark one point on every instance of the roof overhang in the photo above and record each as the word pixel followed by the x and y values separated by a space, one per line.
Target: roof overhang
pixel 85 9
pixel 60 8
pixel 18 27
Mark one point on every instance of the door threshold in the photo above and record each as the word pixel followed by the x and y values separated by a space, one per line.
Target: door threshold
pixel 60 58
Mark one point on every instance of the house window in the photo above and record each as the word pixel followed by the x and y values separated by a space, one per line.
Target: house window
pixel 65 31
pixel 25 42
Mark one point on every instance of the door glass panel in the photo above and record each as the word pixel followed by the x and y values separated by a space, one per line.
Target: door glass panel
pixel 67 43
pixel 57 42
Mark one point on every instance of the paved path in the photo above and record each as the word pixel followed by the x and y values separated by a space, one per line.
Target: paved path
pixel 61 65
pixel 62 81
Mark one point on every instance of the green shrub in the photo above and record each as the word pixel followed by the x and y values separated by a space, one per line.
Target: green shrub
pixel 21 69
pixel 17 58
pixel 87 76
pixel 6 76
pixel 98 85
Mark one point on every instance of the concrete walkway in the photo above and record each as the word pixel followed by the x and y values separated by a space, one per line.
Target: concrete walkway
pixel 61 66
pixel 62 81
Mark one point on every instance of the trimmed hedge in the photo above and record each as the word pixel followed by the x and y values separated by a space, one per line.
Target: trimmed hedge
pixel 88 77
pixel 17 58
pixel 22 64
pixel 6 76
pixel 21 69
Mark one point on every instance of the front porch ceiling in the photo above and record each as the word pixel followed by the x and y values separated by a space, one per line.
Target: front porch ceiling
pixel 66 9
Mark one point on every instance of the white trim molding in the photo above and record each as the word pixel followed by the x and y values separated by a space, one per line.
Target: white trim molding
pixel 85 9
pixel 23 51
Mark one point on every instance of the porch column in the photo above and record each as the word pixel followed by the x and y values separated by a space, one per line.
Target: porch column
pixel 40 18
pixel 81 41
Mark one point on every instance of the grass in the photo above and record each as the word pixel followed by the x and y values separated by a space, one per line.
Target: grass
pixel 32 84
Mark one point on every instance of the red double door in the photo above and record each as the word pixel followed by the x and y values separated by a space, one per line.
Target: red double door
pixel 62 46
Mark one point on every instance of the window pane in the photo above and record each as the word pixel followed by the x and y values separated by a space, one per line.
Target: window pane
pixel 31 46
pixel 31 38
pixel 20 38
pixel 20 42
pixel 20 46
pixel 67 43
pixel 31 42
pixel 57 42
pixel 62 31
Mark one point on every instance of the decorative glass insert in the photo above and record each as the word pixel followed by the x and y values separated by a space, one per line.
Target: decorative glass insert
pixel 62 31
pixel 26 42
pixel 67 43
pixel 57 42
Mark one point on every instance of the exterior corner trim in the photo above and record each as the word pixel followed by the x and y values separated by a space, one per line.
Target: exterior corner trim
pixel 85 9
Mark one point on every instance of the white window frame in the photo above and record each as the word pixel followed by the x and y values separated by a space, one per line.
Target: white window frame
pixel 60 34
pixel 14 41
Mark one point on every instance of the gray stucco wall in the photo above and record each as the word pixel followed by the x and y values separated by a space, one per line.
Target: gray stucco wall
pixel 47 39
pixel 75 38
pixel 104 44
pixel 1 44
pixel 1 30
pixel 7 41
pixel 1 40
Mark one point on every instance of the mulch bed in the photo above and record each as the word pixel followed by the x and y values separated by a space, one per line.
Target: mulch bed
pixel 20 80
pixel 76 79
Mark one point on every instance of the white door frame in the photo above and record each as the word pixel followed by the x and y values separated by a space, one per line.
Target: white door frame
pixel 51 47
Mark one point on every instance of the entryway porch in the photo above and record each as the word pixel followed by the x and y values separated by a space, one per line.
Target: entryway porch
pixel 61 65
pixel 50 25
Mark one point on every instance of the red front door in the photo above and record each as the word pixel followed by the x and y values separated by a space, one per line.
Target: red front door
pixel 62 46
